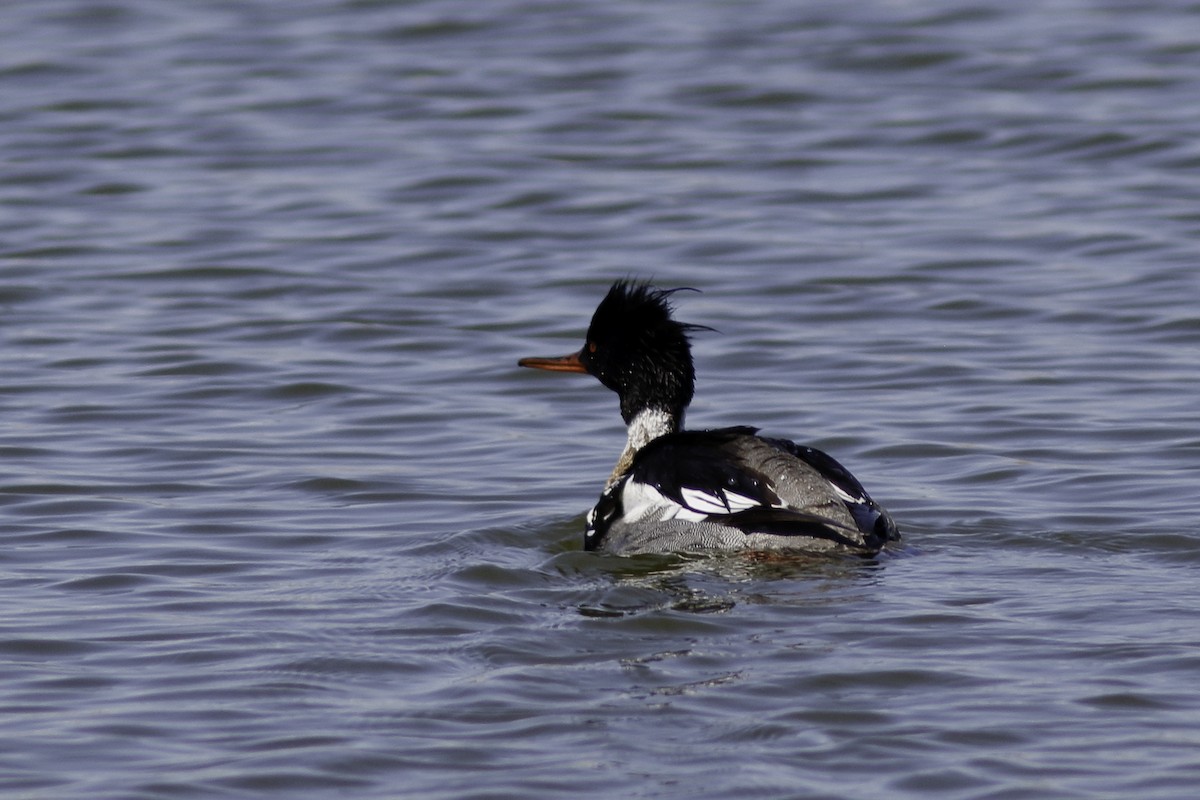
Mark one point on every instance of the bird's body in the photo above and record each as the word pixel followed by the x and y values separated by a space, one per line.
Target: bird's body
pixel 676 490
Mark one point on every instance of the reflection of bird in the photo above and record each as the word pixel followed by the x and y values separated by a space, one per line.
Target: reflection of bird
pixel 725 489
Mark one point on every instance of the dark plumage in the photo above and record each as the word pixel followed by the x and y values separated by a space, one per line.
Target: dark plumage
pixel 729 489
pixel 636 349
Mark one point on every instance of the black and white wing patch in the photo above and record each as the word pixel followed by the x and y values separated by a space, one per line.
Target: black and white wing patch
pixel 680 477
pixel 693 470
pixel 700 476
pixel 717 477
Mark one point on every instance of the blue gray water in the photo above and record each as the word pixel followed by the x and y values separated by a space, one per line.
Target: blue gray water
pixel 282 518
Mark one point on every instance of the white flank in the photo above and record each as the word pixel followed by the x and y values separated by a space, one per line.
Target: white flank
pixel 724 503
pixel 644 503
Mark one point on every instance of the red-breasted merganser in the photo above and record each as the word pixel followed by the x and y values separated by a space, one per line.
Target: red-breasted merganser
pixel 725 489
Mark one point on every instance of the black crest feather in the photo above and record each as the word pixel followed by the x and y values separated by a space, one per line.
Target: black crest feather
pixel 639 350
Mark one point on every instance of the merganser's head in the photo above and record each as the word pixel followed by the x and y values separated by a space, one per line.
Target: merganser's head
pixel 636 349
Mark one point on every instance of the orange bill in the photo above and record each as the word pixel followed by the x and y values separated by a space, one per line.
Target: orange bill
pixel 569 363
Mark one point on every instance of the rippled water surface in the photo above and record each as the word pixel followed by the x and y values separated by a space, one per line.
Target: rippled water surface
pixel 281 517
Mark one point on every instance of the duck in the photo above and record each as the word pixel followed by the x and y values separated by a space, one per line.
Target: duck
pixel 675 490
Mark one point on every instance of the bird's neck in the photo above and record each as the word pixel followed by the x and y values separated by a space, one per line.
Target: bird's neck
pixel 646 426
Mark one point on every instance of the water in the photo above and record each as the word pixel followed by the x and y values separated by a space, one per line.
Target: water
pixel 281 517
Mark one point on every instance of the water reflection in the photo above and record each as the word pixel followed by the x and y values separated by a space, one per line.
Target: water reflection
pixel 714 584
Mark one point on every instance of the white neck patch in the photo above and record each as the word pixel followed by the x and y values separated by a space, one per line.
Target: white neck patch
pixel 647 426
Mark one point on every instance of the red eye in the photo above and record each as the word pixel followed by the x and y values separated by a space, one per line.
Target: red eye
pixel 591 347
